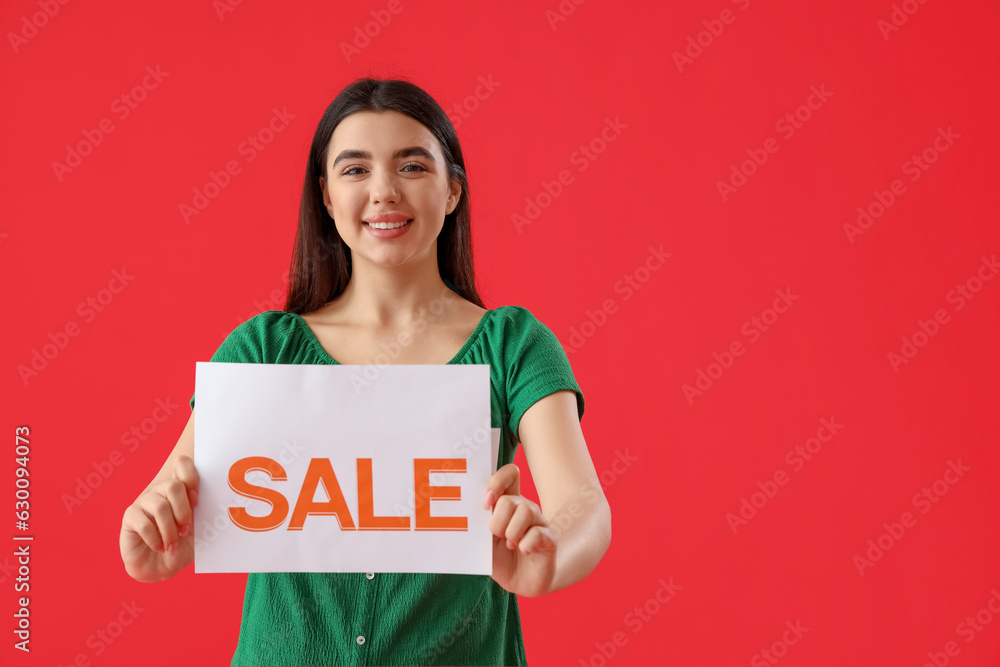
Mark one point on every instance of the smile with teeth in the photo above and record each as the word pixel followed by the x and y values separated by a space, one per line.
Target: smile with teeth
pixel 388 225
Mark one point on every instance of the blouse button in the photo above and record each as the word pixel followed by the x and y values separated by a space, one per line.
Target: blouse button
pixel 361 639
pixel 370 575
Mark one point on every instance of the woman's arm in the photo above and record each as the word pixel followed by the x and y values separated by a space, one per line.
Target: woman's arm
pixel 569 492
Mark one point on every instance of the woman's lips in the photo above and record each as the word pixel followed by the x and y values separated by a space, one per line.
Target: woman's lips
pixel 388 233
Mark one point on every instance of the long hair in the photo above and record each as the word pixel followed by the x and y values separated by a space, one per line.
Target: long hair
pixel 321 262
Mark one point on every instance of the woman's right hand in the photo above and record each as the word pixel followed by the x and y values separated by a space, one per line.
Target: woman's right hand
pixel 157 536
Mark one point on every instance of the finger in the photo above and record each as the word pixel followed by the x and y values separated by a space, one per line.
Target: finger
pixel 140 523
pixel 538 539
pixel 523 518
pixel 157 511
pixel 185 471
pixel 158 506
pixel 176 493
pixel 506 480
pixel 503 511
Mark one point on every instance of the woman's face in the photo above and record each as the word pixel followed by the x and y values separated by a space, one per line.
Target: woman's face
pixel 366 177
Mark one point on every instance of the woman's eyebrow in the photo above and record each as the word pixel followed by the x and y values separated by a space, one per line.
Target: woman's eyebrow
pixel 355 154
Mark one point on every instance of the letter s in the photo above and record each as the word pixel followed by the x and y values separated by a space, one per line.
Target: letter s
pixel 119 108
pixel 129 439
pixel 88 314
pixel 956 299
pixel 244 149
pixel 630 620
pixel 577 159
pixel 239 484
pixel 921 504
pixel 622 288
pixel 795 461
pixel 910 168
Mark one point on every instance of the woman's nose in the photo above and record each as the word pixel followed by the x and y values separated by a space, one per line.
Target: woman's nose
pixel 383 187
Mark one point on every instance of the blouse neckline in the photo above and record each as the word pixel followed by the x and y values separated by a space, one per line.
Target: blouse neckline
pixel 314 341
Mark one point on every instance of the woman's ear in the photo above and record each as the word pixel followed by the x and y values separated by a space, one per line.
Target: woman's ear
pixel 455 197
pixel 326 195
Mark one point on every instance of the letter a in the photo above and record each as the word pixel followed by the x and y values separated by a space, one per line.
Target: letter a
pixel 320 472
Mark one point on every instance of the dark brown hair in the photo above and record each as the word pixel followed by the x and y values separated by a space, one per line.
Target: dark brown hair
pixel 321 263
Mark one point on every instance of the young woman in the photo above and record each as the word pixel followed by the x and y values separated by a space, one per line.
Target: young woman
pixel 383 261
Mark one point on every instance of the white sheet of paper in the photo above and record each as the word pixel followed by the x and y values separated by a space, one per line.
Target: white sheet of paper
pixel 294 413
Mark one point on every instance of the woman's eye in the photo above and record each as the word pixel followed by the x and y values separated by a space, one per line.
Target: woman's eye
pixel 351 171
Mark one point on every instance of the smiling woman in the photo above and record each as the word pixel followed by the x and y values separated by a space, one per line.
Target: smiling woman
pixel 382 271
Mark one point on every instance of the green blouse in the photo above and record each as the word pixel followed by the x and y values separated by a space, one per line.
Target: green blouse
pixel 321 618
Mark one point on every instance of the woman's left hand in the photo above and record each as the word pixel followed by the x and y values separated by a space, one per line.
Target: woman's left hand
pixel 524 546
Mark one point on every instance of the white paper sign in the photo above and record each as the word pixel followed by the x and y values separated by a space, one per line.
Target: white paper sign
pixel 305 469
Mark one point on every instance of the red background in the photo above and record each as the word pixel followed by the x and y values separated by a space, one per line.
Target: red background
pixel 655 185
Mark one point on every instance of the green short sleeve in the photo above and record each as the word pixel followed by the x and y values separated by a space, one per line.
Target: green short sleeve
pixel 536 365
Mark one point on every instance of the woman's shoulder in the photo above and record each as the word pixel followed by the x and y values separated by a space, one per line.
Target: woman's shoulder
pixel 516 328
pixel 265 327
pixel 516 316
pixel 267 320
pixel 262 337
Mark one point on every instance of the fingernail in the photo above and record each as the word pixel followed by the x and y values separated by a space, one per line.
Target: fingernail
pixel 172 549
pixel 194 497
pixel 510 545
pixel 183 530
pixel 490 499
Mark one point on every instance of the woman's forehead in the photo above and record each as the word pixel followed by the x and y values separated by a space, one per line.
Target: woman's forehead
pixel 381 133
